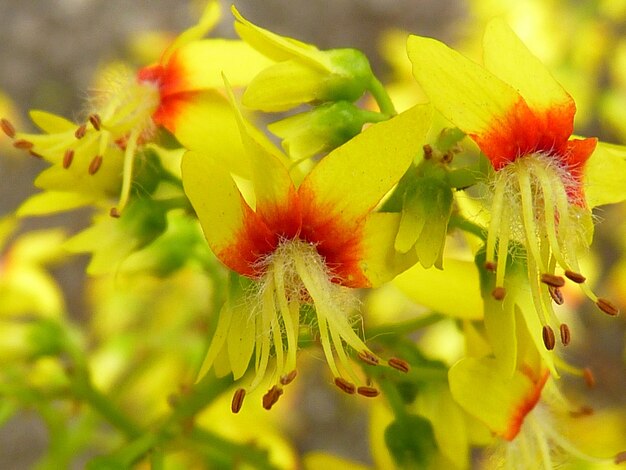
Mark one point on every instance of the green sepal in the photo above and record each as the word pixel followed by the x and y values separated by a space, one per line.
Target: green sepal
pixel 411 441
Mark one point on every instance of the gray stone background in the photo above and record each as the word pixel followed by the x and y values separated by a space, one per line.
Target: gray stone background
pixel 49 50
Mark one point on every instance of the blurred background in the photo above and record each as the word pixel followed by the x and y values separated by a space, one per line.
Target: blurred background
pixel 50 50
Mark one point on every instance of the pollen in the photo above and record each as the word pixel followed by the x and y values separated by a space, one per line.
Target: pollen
pixel 7 128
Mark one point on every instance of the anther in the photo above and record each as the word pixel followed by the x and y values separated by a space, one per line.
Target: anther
pixel 271 397
pixel 556 295
pixel 491 266
pixel 552 280
pixel 80 132
pixel 548 337
pixel 67 158
pixel 7 127
pixel 23 144
pixel 590 379
pixel 35 154
pixel 607 307
pixel 368 358
pixel 582 411
pixel 237 402
pixel 369 392
pixel 575 277
pixel 565 334
pixel 95 121
pixel 399 364
pixel 288 378
pixel 447 157
pixel 95 164
pixel 114 213
pixel 498 293
pixel 620 458
pixel 428 152
pixel 344 385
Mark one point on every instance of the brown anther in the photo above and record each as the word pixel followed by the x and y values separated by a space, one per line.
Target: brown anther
pixel 369 392
pixel 344 385
pixel 95 121
pixel 552 280
pixel 491 266
pixel 67 158
pixel 565 334
pixel 271 397
pixel 620 458
pixel 288 378
pixel 115 213
pixel 575 277
pixel 590 379
pixel 607 307
pixel 428 152
pixel 368 358
pixel 95 164
pixel 35 154
pixel 582 411
pixel 237 402
pixel 498 293
pixel 399 364
pixel 23 144
pixel 548 337
pixel 556 295
pixel 80 132
pixel 447 157
pixel 7 127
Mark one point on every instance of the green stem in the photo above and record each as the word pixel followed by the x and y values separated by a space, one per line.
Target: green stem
pixel 460 222
pixel 379 93
pixel 404 327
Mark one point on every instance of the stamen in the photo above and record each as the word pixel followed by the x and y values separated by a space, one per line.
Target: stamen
pixel 81 131
pixel 575 277
pixel 499 293
pixel 35 154
pixel 548 337
pixel 344 385
pixel 582 411
pixel 237 401
pixel 399 364
pixel 369 392
pixel 127 171
pixel 115 213
pixel 7 127
pixel 271 397
pixel 565 334
pixel 552 280
pixel 590 379
pixel 95 121
pixel 95 164
pixel 23 144
pixel 490 266
pixel 607 307
pixel 68 157
pixel 556 295
pixel 289 377
pixel 528 217
pixel 368 358
pixel 496 221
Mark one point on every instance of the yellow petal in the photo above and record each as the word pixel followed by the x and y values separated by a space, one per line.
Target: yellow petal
pixel 209 18
pixel 380 262
pixel 277 47
pixel 206 124
pixel 455 291
pixel 51 123
pixel 605 175
pixel 216 346
pixel 498 401
pixel 506 56
pixel 283 86
pixel 468 95
pixel 49 202
pixel 352 179
pixel 241 339
pixel 200 64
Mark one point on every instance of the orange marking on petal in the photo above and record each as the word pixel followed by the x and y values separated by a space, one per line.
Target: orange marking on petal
pixel 523 131
pixel 526 406
pixel 171 107
pixel 338 241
